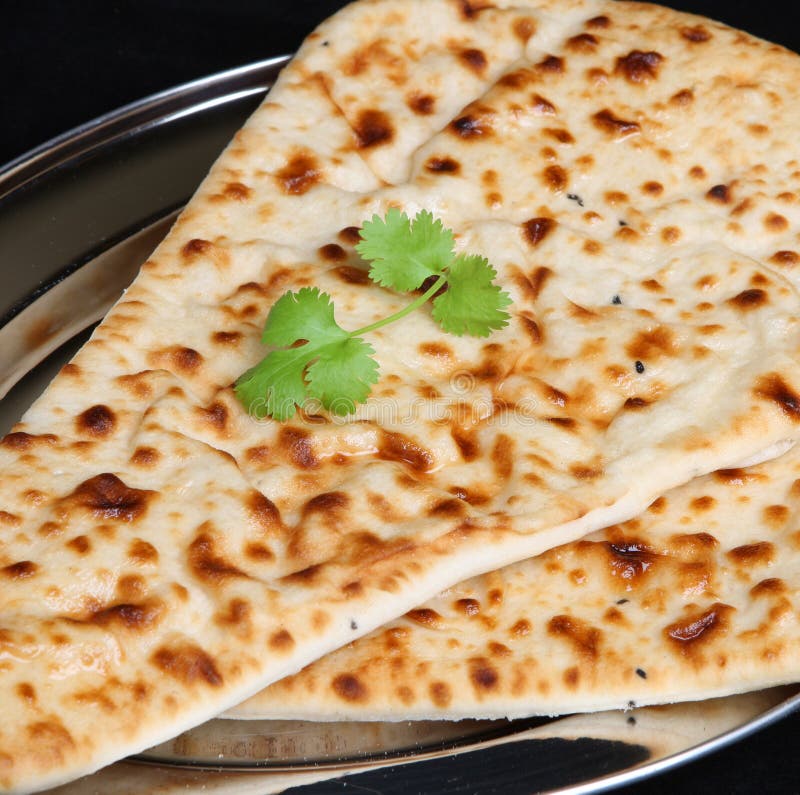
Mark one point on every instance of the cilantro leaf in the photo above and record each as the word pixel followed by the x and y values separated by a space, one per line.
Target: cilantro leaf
pixel 404 253
pixel 342 375
pixel 314 357
pixel 279 383
pixel 304 315
pixel 472 303
pixel 275 386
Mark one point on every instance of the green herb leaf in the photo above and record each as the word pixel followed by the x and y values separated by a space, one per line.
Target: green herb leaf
pixel 304 315
pixel 342 375
pixel 404 253
pixel 314 357
pixel 472 303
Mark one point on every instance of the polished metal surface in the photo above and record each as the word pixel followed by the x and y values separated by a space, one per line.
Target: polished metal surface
pixel 76 221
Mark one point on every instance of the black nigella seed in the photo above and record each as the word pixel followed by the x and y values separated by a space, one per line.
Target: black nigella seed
pixel 622 223
pixel 326 43
pixel 575 198
pixel 641 672
pixel 631 705
pixel 639 367
pixel 616 300
pixel 622 601
pixel 631 720
pixel 353 625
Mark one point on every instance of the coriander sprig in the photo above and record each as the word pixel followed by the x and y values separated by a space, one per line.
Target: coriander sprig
pixel 314 357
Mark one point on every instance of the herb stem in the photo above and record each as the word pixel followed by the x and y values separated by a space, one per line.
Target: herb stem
pixel 407 310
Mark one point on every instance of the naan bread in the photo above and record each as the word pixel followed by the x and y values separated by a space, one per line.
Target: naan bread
pixel 166 556
pixel 696 598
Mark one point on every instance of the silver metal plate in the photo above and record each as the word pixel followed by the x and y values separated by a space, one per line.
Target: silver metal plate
pixel 77 217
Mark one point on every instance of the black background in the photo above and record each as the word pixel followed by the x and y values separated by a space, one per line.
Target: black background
pixel 63 63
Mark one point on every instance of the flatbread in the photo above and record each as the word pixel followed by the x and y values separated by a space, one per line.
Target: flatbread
pixel 166 556
pixel 696 598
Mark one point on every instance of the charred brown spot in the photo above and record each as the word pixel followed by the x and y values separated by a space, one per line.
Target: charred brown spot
pixel 634 403
pixel 702 504
pixel 51 739
pixel 474 60
pixel 215 415
pixel 639 67
pixel 398 447
pixel 20 570
pixel 558 134
pixel 80 544
pixel 437 350
pixel 775 222
pixel 97 421
pixel 719 193
pixel 10 519
pixel 696 34
pixel 556 178
pixel 653 343
pixel 683 97
pixel 237 191
pixel 749 299
pixel 330 502
pixel 552 64
pixel 762 553
pixel 263 512
pixel 258 552
pixel 469 607
pixel 332 252
pixel 535 230
pixel 585 471
pixel 571 677
pixel 531 327
pixel 521 628
pixel 440 694
pixel 470 127
pixel 421 104
pixel 630 560
pixel 131 616
pixel 503 456
pixel 583 42
pixel 306 576
pixel 106 496
pixel 483 675
pixel 196 247
pixel 297 446
pixel 207 564
pixel 350 235
pixel 775 515
pixel 145 457
pixel 787 258
pixel 466 441
pixel 373 128
pixel 583 637
pixel 451 507
pixel 426 617
pixel 606 121
pixel 141 551
pixel 601 21
pixel 523 28
pixel 688 634
pixel 442 165
pixel 26 692
pixel 350 274
pixel 350 688
pixel 185 360
pixel 300 174
pixel 187 663
pixel 773 586
pixel 281 640
pixel 772 387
